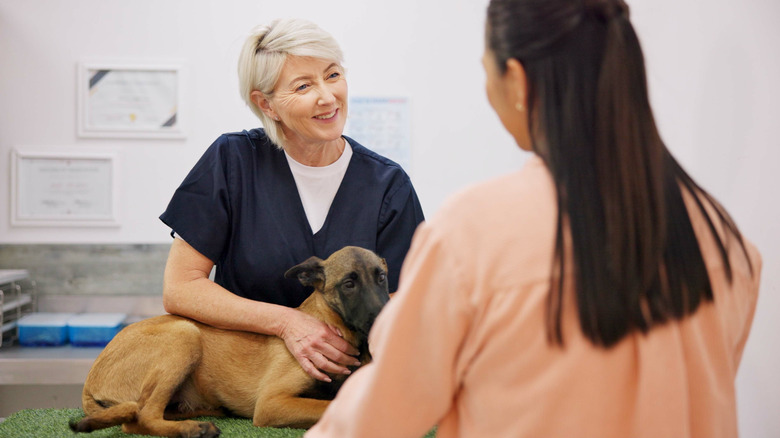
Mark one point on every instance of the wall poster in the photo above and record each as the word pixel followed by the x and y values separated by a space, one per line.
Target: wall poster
pixel 382 124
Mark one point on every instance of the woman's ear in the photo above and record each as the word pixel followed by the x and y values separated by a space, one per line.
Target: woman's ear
pixel 261 101
pixel 516 84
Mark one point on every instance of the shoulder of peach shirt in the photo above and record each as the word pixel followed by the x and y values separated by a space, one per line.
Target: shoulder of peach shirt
pixel 513 216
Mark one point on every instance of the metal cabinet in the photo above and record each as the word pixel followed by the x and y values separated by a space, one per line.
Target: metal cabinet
pixel 17 298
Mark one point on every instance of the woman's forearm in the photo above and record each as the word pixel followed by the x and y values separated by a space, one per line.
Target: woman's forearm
pixel 188 291
pixel 207 302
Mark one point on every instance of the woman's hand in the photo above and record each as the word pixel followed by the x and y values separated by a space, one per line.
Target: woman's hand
pixel 317 346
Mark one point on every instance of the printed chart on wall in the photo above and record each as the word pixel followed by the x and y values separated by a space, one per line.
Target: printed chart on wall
pixel 382 124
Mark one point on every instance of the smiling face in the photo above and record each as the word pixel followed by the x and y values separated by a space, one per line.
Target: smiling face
pixel 310 101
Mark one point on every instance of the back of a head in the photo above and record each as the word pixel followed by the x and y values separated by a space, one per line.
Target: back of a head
pixel 618 187
pixel 574 53
pixel 263 56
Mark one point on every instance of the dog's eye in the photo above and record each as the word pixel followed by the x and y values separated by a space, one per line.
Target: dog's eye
pixel 349 284
pixel 382 277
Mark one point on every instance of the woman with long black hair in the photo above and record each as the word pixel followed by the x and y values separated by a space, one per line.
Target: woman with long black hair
pixel 598 292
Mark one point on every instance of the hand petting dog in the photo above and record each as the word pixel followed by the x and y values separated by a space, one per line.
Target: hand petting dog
pixel 318 346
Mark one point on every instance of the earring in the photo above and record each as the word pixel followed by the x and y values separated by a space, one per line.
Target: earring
pixel 519 106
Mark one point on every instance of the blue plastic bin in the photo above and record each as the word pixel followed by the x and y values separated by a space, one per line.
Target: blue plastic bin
pixel 43 329
pixel 94 329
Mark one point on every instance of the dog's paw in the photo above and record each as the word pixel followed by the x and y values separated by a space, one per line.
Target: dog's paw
pixel 203 430
pixel 79 425
pixel 209 430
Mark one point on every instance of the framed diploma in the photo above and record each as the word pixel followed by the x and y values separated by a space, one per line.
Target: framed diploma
pixel 50 188
pixel 129 101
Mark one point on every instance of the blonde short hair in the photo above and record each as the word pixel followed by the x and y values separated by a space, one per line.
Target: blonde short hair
pixel 264 53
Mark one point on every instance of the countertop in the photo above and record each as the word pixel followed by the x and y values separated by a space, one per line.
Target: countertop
pixel 65 365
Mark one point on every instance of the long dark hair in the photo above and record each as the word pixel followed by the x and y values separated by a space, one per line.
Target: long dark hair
pixel 637 262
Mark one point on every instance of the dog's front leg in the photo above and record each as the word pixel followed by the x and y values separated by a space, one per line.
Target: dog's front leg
pixel 288 411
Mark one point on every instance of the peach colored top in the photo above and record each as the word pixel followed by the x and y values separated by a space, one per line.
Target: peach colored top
pixel 463 343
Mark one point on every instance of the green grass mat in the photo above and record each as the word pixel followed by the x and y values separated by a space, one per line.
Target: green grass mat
pixel 53 423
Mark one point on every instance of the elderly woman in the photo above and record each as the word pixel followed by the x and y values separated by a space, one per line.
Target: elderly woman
pixel 260 201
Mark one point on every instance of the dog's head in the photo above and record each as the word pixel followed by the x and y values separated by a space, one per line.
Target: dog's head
pixel 353 281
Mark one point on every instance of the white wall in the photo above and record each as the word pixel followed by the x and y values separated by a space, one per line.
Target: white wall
pixel 712 69
pixel 456 138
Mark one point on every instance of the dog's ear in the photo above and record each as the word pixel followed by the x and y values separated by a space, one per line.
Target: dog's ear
pixel 309 273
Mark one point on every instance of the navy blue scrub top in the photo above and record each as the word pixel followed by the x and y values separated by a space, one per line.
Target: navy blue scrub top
pixel 239 206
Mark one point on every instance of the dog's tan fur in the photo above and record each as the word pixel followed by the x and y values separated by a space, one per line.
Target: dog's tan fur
pixel 169 367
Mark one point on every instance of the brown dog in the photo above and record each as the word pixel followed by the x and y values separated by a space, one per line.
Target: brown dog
pixel 169 367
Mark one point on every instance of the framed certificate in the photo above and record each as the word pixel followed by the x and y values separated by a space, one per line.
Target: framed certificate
pixel 135 101
pixel 51 188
